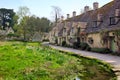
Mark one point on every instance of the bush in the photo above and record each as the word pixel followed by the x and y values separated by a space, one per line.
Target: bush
pixel 85 46
pixel 115 53
pixel 64 43
pixel 88 48
pixel 76 45
pixel 101 50
pixel 12 35
pixel 45 40
pixel 107 50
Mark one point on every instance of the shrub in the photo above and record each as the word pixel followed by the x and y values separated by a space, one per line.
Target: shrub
pixel 101 50
pixel 88 48
pixel 64 43
pixel 115 53
pixel 76 45
pixel 45 40
pixel 107 50
pixel 84 46
pixel 12 35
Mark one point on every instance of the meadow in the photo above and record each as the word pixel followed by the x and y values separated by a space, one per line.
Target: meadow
pixel 32 61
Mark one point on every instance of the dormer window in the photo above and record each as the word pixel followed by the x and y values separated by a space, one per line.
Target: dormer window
pixel 112 21
pixel 98 21
pixel 115 20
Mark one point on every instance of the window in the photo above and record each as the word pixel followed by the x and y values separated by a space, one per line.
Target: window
pixel 64 29
pixel 95 24
pixel 115 20
pixel 112 21
pixel 90 40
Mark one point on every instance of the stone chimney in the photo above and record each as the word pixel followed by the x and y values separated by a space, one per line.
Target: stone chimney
pixel 68 16
pixel 86 8
pixel 95 5
pixel 74 13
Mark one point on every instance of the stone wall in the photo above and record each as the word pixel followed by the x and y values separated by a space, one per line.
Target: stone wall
pixel 96 40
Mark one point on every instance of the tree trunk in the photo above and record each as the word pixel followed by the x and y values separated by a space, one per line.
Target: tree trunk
pixel 24 34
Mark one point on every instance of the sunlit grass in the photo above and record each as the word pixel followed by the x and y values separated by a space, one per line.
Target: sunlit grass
pixel 31 61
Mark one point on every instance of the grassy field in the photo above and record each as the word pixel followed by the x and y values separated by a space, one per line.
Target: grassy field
pixel 31 61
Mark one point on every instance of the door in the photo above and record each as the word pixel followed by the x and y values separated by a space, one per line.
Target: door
pixel 113 45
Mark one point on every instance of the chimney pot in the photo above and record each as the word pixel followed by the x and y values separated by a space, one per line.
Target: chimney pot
pixel 74 13
pixel 68 16
pixel 95 5
pixel 86 8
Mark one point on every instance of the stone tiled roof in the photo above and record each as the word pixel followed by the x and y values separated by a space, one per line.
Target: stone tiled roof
pixel 85 17
pixel 58 28
pixel 107 20
pixel 105 11
pixel 90 17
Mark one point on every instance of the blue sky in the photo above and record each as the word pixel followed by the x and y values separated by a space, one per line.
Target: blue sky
pixel 42 8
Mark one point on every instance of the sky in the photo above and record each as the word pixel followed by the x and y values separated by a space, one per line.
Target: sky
pixel 43 8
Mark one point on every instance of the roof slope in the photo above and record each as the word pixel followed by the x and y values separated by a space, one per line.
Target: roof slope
pixel 90 18
pixel 106 10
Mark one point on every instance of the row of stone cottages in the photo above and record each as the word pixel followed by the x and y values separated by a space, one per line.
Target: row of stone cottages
pixel 100 27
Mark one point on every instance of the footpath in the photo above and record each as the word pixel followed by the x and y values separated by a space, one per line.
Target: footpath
pixel 111 59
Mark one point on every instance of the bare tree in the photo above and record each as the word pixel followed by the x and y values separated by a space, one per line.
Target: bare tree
pixel 23 13
pixel 56 13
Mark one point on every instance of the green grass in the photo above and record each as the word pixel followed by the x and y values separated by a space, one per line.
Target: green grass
pixel 31 61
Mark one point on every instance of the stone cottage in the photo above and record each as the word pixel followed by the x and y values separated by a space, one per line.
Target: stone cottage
pixel 100 27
